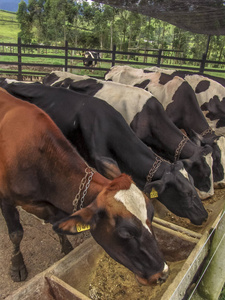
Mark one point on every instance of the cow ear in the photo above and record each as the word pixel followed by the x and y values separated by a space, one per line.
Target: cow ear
pixel 152 189
pixel 107 167
pixel 82 220
pixel 188 163
pixel 196 138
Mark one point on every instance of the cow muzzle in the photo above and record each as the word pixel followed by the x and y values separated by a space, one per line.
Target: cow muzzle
pixel 157 278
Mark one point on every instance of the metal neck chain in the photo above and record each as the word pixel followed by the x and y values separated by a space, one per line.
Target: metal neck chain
pixel 180 147
pixel 154 168
pixel 208 130
pixel 83 188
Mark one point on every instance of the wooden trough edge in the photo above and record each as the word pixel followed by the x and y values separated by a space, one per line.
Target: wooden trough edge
pixel 180 284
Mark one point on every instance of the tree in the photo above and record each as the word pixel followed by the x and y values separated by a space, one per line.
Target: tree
pixel 25 23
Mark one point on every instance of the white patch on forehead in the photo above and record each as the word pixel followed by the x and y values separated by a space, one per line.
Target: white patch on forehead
pixel 184 173
pixel 134 201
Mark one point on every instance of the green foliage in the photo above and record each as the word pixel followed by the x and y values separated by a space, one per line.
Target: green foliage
pixel 93 25
pixel 222 295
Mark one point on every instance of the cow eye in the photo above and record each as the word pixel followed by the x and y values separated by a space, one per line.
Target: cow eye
pixel 124 234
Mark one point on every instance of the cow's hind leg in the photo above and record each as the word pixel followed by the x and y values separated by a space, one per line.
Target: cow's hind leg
pixel 18 269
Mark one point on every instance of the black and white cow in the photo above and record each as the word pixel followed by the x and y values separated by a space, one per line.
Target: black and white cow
pixel 210 93
pixel 184 73
pixel 91 58
pixel 180 102
pixel 211 99
pixel 149 121
pixel 98 131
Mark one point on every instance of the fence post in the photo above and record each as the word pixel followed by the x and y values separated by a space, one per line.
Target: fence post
pixel 202 66
pixel 66 55
pixel 113 55
pixel 159 58
pixel 19 76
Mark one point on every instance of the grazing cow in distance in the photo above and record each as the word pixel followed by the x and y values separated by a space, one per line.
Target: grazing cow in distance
pixel 91 58
pixel 44 174
pixel 149 121
pixel 98 131
pixel 180 102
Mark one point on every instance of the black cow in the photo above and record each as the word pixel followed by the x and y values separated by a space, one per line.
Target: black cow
pixel 91 58
pixel 149 121
pixel 97 131
pixel 179 100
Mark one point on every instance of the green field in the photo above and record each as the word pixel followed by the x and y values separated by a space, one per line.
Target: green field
pixel 9 27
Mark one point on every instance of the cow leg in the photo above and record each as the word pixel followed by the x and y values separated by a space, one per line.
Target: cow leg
pixel 18 269
pixel 49 214
pixel 66 246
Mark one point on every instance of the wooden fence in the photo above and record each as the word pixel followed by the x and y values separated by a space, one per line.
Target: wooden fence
pixel 71 58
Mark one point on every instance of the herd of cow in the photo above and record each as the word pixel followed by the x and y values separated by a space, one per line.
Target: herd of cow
pixel 65 142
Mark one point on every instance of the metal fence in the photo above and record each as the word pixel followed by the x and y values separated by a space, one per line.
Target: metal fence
pixel 71 58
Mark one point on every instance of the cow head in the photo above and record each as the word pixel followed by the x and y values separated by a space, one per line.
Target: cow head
pixel 199 166
pixel 217 144
pixel 178 194
pixel 120 221
pixel 218 155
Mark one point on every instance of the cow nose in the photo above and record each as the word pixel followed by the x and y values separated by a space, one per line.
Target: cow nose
pixel 157 278
pixel 164 275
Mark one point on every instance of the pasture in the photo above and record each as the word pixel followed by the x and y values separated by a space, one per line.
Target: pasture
pixel 9 27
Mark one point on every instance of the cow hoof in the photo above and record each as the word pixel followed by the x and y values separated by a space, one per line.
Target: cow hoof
pixel 18 274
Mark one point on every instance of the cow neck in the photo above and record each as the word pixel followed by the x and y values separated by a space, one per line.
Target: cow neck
pixel 157 169
pixel 90 186
pixel 83 188
pixel 180 147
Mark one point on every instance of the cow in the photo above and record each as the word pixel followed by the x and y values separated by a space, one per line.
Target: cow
pixel 91 58
pixel 44 174
pixel 184 73
pixel 179 101
pixel 149 121
pixel 210 94
pixel 211 99
pixel 100 133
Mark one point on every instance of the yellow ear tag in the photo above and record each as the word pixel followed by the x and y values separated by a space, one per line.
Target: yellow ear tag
pixel 82 227
pixel 154 193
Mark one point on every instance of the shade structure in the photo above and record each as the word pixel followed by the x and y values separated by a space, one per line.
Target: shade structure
pixel 198 16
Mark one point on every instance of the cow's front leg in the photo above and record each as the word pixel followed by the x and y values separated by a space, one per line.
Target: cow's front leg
pixel 66 246
pixel 18 269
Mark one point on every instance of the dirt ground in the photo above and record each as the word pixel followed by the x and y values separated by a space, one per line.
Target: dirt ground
pixel 40 247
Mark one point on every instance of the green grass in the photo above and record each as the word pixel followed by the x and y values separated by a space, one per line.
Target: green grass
pixel 9 27
pixel 222 295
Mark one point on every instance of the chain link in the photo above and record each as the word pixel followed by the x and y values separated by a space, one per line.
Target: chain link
pixel 180 147
pixel 154 168
pixel 208 130
pixel 83 188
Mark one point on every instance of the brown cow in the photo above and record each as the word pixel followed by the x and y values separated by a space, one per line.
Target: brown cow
pixel 42 173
